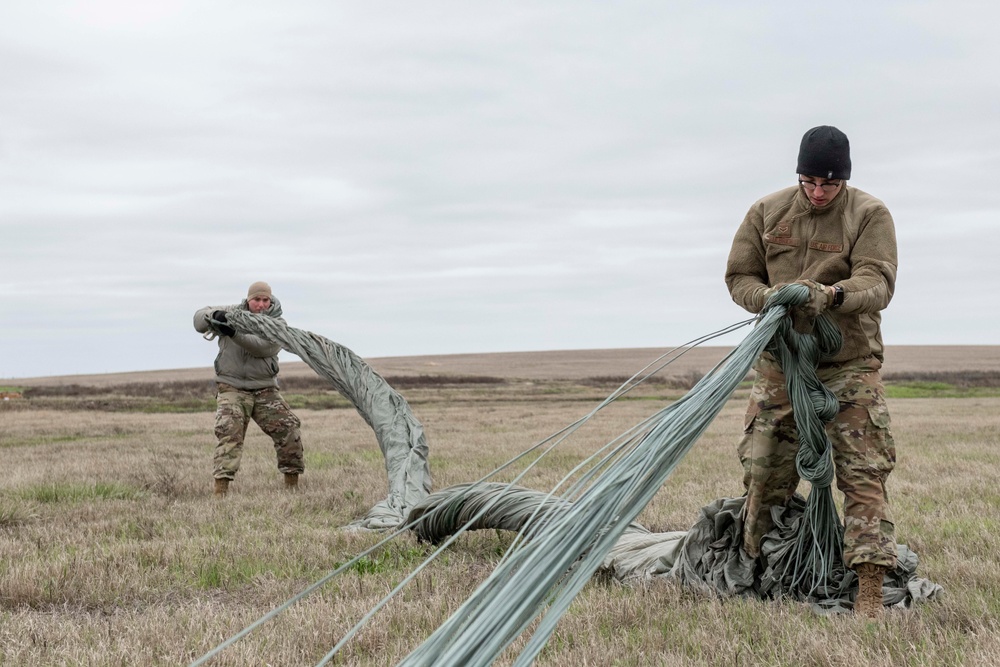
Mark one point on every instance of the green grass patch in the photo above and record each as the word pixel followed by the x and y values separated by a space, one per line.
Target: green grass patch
pixel 114 433
pixel 936 390
pixel 369 565
pixel 388 560
pixel 323 401
pixel 41 440
pixel 71 493
pixel 328 460
pixel 218 571
pixel 227 572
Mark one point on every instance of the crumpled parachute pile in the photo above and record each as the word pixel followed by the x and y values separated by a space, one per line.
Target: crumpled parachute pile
pixel 707 556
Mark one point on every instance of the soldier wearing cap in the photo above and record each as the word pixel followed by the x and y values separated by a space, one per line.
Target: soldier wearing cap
pixel 246 370
pixel 840 242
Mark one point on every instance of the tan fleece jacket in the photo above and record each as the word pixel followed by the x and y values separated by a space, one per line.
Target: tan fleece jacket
pixel 851 242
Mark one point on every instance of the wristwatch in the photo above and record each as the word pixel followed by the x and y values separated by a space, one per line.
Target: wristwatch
pixel 838 296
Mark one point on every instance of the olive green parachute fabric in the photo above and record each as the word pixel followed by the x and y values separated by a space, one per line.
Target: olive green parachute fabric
pixel 400 436
pixel 707 557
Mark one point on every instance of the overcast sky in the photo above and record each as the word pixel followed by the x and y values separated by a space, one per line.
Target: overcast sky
pixel 444 177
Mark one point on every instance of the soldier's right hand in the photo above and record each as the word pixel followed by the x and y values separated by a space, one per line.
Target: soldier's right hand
pixel 219 317
pixel 771 291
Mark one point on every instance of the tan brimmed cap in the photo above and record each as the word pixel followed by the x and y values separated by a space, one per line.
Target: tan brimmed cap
pixel 259 288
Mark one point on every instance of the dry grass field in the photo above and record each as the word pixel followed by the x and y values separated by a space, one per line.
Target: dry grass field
pixel 113 552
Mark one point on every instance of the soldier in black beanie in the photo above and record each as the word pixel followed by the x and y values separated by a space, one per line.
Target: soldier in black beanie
pixel 824 164
pixel 839 242
pixel 825 152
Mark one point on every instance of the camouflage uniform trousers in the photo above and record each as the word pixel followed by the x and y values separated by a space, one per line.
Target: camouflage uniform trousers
pixel 863 452
pixel 236 407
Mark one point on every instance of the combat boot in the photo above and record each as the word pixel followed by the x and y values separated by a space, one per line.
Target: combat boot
pixel 291 481
pixel 221 487
pixel 868 602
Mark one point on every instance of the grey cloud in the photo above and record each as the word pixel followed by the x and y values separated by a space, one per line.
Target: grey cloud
pixel 455 177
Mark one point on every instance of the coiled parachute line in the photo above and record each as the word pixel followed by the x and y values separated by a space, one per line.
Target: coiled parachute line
pixel 815 561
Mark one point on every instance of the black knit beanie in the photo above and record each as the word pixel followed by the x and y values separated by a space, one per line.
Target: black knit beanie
pixel 825 153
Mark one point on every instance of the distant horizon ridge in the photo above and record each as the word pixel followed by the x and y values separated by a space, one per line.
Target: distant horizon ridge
pixel 556 363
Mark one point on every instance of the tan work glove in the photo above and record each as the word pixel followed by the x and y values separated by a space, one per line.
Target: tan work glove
pixel 820 298
pixel 768 291
pixel 804 315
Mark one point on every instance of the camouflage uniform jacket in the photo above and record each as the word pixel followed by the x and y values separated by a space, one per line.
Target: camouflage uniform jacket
pixel 851 242
pixel 244 361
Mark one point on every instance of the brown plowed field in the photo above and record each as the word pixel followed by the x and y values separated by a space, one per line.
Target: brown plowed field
pixel 564 364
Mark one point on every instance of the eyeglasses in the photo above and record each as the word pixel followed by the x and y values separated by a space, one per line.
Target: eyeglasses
pixel 829 186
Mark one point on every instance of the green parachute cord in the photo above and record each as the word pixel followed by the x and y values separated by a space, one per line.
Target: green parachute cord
pixel 544 574
pixel 818 552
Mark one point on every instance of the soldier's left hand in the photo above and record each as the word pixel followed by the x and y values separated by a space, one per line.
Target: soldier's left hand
pixel 820 298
